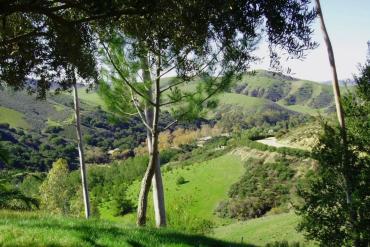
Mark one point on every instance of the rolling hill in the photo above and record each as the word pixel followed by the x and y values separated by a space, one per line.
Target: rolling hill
pixel 262 99
pixel 254 93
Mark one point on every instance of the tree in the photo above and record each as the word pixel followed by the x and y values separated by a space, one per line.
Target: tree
pixel 213 43
pixel 42 42
pixel 11 196
pixel 341 119
pixel 326 213
pixel 38 39
pixel 55 191
pixel 85 190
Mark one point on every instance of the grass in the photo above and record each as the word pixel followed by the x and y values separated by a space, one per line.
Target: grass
pixel 206 184
pixel 305 109
pixel 91 98
pixel 37 229
pixel 242 100
pixel 263 230
pixel 13 118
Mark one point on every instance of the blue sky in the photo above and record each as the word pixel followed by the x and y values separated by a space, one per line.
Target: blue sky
pixel 348 24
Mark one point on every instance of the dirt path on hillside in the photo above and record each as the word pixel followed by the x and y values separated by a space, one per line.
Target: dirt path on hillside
pixel 272 141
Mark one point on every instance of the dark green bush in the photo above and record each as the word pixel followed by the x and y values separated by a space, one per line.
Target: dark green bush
pixel 181 180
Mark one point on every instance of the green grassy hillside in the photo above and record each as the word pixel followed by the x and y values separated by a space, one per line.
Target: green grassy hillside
pixel 206 184
pixel 13 118
pixel 262 90
pixel 285 90
pixel 263 230
pixel 25 229
pixel 36 229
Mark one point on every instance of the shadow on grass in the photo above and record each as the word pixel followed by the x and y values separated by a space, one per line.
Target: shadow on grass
pixel 101 234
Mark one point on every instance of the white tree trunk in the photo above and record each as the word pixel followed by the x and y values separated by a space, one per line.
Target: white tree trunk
pixel 158 196
pixel 347 174
pixel 335 83
pixel 85 191
pixel 153 172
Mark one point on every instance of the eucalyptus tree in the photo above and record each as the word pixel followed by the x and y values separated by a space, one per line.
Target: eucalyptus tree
pixel 209 42
pixel 348 173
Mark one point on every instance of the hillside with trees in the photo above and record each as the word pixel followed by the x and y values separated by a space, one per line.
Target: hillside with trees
pixel 144 123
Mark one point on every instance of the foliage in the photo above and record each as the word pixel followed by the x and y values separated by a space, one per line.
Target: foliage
pixel 4 155
pixel 108 184
pixel 46 38
pixel 180 180
pixel 13 197
pixel 56 192
pixel 336 202
pixel 27 151
pixel 263 186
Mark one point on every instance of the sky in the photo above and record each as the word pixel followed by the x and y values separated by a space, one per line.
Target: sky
pixel 348 25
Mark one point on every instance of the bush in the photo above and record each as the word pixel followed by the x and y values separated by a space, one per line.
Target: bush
pixel 181 180
pixel 262 187
pixel 283 244
pixel 55 190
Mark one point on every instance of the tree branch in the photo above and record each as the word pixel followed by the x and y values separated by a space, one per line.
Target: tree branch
pixel 124 78
pixel 134 101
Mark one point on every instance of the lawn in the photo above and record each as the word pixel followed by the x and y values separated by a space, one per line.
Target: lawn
pixel 263 230
pixel 13 118
pixel 37 229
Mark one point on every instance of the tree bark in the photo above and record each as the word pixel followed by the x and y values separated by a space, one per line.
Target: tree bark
pixel 153 169
pixel 158 192
pixel 335 83
pixel 85 190
pixel 347 171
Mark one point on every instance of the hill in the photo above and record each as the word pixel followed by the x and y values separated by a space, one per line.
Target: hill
pixel 285 90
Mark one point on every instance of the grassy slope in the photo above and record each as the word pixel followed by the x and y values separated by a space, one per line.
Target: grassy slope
pixel 12 117
pixel 91 98
pixel 263 230
pixel 243 100
pixel 31 229
pixel 207 184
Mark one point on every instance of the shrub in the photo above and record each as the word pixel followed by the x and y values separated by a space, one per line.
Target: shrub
pixel 180 180
pixel 262 187
pixel 55 191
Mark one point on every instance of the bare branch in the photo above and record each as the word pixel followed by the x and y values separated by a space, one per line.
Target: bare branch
pixel 169 125
pixel 134 101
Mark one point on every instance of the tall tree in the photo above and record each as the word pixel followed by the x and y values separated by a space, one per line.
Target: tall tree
pixel 39 38
pixel 326 215
pixel 335 81
pixel 347 172
pixel 85 190
pixel 210 38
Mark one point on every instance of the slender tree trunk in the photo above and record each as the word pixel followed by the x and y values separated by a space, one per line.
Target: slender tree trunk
pixel 153 169
pixel 348 180
pixel 335 83
pixel 85 190
pixel 158 192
